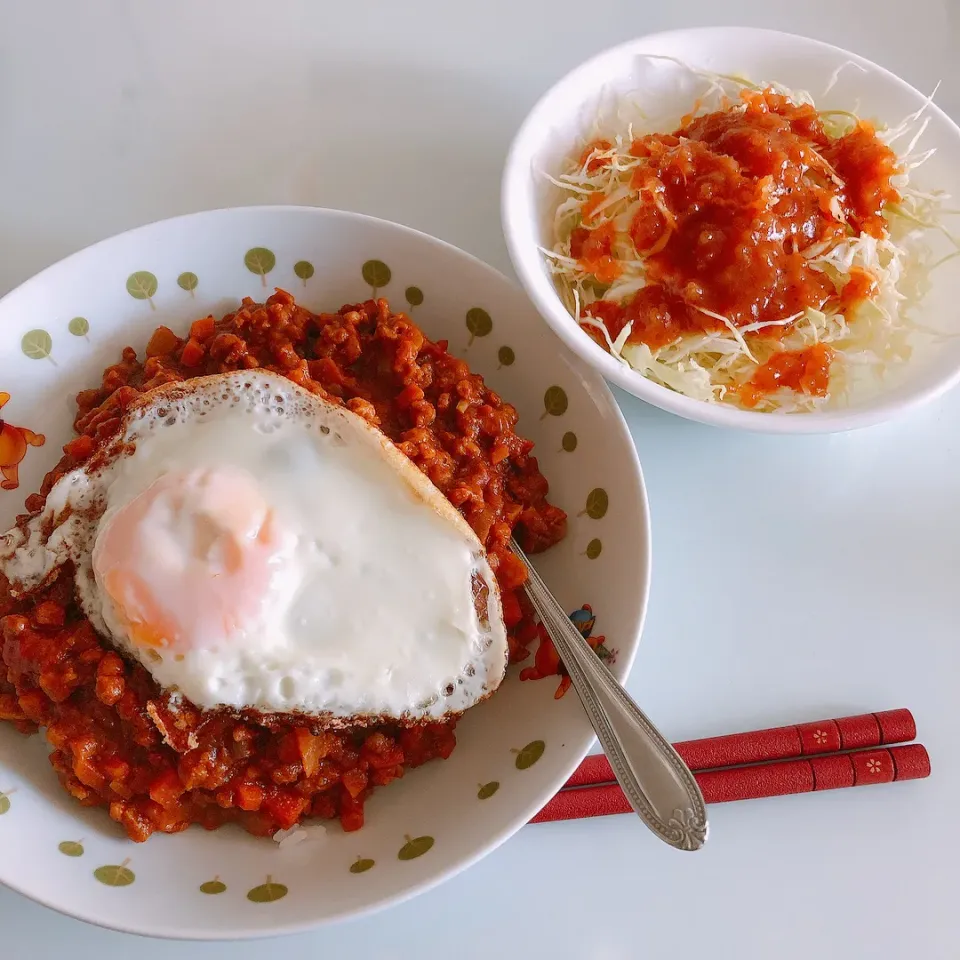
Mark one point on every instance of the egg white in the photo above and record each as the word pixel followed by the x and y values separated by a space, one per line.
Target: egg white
pixel 372 612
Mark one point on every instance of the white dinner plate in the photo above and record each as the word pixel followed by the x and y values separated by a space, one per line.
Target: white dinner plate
pixel 58 332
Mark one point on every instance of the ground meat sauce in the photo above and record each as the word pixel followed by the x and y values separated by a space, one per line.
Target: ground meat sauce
pixel 158 762
pixel 735 201
pixel 804 371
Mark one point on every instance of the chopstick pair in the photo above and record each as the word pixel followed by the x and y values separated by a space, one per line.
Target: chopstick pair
pixel 802 758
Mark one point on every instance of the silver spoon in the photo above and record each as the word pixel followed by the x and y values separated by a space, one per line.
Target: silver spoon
pixel 654 779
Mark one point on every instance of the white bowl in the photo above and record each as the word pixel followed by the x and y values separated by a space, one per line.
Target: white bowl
pixel 211 885
pixel 562 117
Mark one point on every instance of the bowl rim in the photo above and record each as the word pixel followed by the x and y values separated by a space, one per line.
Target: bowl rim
pixel 616 426
pixel 514 195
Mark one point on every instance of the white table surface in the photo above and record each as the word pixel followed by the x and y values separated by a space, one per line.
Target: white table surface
pixel 794 579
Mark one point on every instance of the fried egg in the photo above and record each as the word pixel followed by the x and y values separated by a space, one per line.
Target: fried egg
pixel 255 546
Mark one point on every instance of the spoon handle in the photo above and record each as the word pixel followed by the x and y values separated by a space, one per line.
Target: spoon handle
pixel 654 779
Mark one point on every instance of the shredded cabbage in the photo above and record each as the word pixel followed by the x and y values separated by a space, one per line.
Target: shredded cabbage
pixel 875 334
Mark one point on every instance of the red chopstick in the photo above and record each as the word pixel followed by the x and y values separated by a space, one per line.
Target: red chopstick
pixel 766 763
pixel 775 743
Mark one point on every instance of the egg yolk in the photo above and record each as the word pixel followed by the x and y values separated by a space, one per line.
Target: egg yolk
pixel 191 560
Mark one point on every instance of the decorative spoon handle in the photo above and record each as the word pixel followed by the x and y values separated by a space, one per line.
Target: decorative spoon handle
pixel 654 779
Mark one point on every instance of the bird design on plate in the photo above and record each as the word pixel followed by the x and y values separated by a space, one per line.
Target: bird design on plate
pixel 546 661
pixel 13 448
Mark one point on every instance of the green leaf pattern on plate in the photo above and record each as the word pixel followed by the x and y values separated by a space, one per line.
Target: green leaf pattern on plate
pixel 79 326
pixel 71 848
pixel 487 790
pixel 569 441
pixel 414 848
pixel 479 323
pixel 115 874
pixel 361 865
pixel 188 281
pixel 267 892
pixel 213 887
pixel 376 273
pixel 555 402
pixel 506 356
pixel 143 285
pixel 304 270
pixel 37 345
pixel 414 296
pixel 261 261
pixel 4 803
pixel 597 504
pixel 530 754
pixel 594 549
